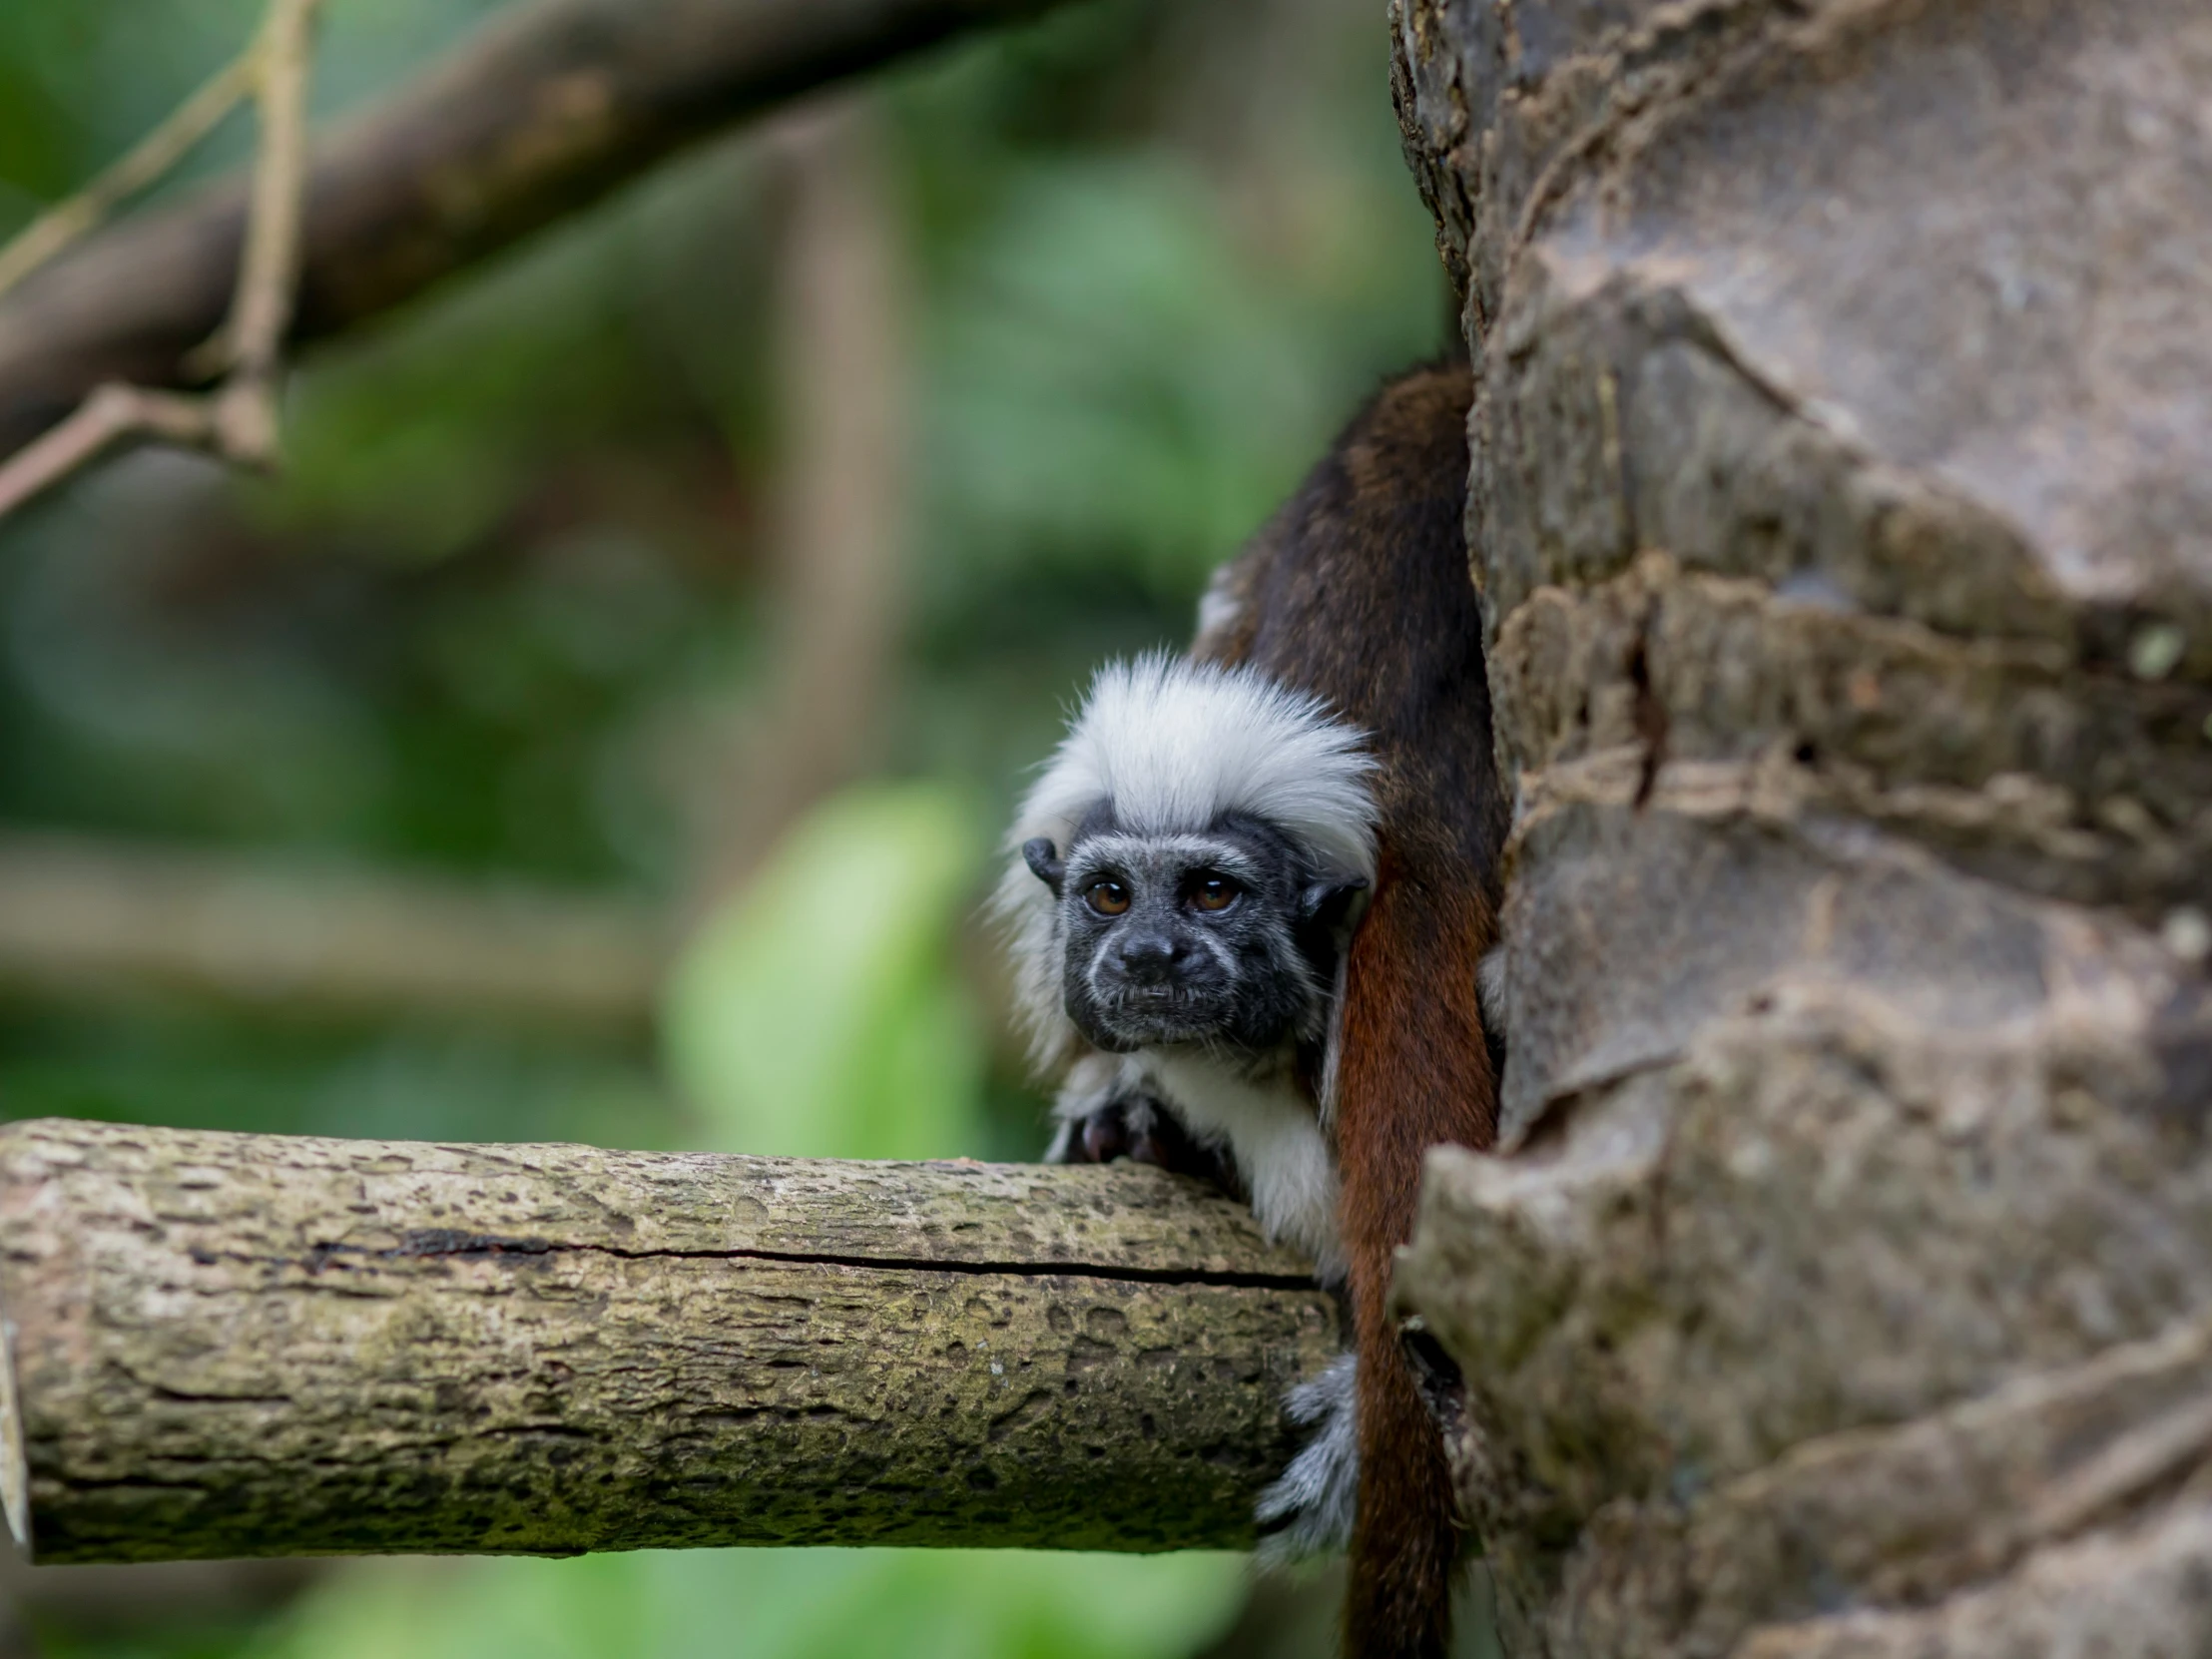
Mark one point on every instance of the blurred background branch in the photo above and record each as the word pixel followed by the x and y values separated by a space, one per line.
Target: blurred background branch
pixel 85 919
pixel 136 170
pixel 238 421
pixel 839 514
pixel 552 106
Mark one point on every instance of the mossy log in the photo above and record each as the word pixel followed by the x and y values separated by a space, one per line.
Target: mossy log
pixel 228 1345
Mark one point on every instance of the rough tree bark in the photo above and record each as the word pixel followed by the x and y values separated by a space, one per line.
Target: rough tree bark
pixel 239 1345
pixel 1842 503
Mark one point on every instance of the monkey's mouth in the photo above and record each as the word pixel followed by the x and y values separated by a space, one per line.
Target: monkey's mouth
pixel 1143 1014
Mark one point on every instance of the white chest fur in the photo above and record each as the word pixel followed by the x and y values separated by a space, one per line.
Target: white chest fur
pixel 1277 1139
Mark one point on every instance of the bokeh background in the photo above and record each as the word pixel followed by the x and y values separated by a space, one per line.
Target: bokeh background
pixel 599 729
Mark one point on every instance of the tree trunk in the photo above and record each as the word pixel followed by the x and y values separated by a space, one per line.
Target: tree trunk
pixel 253 1344
pixel 1842 504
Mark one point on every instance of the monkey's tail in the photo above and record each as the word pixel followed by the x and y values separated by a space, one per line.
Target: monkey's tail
pixel 1412 1070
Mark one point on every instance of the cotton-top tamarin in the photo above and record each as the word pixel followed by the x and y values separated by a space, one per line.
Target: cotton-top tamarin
pixel 1250 897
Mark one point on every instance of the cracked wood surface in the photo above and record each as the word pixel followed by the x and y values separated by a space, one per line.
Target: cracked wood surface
pixel 228 1345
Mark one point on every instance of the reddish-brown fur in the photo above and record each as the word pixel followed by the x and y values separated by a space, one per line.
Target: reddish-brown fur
pixel 1415 1072
pixel 1359 591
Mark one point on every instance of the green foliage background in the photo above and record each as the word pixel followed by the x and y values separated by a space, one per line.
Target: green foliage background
pixel 1158 252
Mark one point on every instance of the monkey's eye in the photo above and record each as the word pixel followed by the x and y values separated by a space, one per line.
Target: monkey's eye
pixel 1214 892
pixel 1107 898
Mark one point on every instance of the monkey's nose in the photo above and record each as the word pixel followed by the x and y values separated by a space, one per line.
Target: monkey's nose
pixel 1149 958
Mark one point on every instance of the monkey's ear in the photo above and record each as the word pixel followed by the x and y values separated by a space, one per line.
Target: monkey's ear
pixel 1044 863
pixel 1329 901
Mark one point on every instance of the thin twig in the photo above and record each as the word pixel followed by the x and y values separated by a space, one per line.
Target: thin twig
pixel 103 420
pixel 154 155
pixel 249 340
pixel 235 422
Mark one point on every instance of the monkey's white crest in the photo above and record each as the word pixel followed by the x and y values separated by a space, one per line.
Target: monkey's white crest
pixel 1173 746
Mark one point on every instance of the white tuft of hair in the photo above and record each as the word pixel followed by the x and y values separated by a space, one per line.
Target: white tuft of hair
pixel 1173 746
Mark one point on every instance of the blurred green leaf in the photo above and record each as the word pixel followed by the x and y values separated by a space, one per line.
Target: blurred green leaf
pixel 819 1014
pixel 771 1604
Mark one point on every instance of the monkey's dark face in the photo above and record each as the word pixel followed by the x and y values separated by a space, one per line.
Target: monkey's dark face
pixel 1223 937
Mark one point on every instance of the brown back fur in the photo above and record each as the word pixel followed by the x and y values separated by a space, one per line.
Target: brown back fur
pixel 1359 591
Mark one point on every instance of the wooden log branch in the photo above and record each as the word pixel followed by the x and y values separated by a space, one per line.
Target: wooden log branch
pixel 237 1344
pixel 550 107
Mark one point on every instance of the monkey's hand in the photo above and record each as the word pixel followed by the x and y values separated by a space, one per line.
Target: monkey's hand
pixel 1101 1118
pixel 1309 1509
pixel 1144 1132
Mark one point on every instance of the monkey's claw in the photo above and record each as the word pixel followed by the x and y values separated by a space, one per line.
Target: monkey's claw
pixel 1104 1136
pixel 1309 1509
pixel 1144 1132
